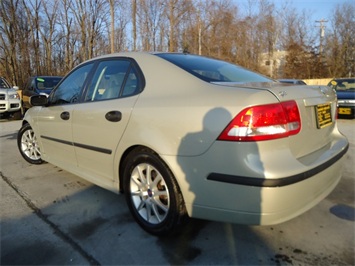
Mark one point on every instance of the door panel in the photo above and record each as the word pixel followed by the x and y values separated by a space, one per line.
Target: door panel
pixel 98 124
pixel 55 121
pixel 96 138
pixel 56 135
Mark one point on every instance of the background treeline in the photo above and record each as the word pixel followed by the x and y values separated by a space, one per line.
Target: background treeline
pixel 50 37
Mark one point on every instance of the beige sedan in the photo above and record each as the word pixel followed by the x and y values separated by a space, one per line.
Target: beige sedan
pixel 184 135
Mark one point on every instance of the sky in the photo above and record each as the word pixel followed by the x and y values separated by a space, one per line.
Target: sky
pixel 318 9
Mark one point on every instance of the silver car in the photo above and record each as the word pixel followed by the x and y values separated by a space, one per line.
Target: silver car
pixel 184 135
pixel 10 101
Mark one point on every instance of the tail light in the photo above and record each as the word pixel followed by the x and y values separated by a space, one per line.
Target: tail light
pixel 264 122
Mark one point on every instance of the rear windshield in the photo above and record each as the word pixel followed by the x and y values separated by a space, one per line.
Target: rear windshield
pixel 212 70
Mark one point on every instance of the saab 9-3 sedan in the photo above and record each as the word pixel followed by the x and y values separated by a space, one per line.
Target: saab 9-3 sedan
pixel 183 135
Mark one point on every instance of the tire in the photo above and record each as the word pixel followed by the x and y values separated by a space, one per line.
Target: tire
pixel 28 145
pixel 152 193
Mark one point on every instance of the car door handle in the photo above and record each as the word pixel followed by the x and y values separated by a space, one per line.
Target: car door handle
pixel 65 115
pixel 114 116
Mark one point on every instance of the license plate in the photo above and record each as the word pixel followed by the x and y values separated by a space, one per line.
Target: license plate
pixel 344 111
pixel 324 115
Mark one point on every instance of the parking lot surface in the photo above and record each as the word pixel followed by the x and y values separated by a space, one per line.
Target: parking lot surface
pixel 51 217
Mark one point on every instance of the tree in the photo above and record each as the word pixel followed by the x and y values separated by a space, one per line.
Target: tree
pixel 151 16
pixel 47 31
pixel 15 58
pixel 176 12
pixel 112 33
pixel 340 43
pixel 33 19
pixel 53 36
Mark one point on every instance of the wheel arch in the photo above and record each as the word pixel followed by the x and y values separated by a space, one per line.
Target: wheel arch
pixel 121 164
pixel 131 149
pixel 24 122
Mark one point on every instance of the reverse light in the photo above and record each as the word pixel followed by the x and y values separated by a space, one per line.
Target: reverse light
pixel 264 122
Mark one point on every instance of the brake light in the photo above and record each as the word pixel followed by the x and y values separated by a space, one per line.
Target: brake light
pixel 264 122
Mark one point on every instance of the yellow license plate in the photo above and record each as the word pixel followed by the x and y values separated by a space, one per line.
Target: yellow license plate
pixel 324 115
pixel 344 111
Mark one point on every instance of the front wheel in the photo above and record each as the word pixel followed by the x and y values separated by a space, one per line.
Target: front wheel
pixel 152 193
pixel 28 145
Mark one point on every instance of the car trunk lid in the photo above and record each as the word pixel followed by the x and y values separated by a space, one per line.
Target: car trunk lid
pixel 317 107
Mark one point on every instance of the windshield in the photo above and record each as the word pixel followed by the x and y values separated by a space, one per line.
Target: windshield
pixel 4 84
pixel 343 84
pixel 45 83
pixel 212 70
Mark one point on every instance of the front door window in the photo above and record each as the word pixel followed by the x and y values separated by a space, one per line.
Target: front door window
pixel 69 90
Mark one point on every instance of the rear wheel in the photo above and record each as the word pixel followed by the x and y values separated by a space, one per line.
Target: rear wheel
pixel 152 193
pixel 28 145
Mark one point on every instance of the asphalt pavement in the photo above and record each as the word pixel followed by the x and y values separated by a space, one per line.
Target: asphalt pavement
pixel 51 217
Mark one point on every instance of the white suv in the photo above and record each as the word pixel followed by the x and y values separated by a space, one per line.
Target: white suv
pixel 10 102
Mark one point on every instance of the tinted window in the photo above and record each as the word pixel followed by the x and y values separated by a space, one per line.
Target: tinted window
pixel 108 79
pixel 212 70
pixel 292 81
pixel 45 83
pixel 113 79
pixel 30 84
pixel 69 90
pixel 131 85
pixel 342 84
pixel 4 84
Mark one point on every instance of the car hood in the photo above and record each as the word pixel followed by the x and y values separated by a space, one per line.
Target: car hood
pixel 346 94
pixel 7 91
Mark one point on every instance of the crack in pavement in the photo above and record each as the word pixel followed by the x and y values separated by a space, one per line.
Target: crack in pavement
pixel 45 219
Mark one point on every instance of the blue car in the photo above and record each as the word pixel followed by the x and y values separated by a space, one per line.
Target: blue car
pixel 345 89
pixel 38 85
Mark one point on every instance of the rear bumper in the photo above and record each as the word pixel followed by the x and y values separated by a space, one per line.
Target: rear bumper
pixel 269 206
pixel 279 182
pixel 257 184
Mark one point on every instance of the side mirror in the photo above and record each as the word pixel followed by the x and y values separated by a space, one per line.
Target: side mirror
pixel 39 100
pixel 16 88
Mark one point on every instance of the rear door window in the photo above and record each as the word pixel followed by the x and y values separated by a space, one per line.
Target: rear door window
pixel 113 79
